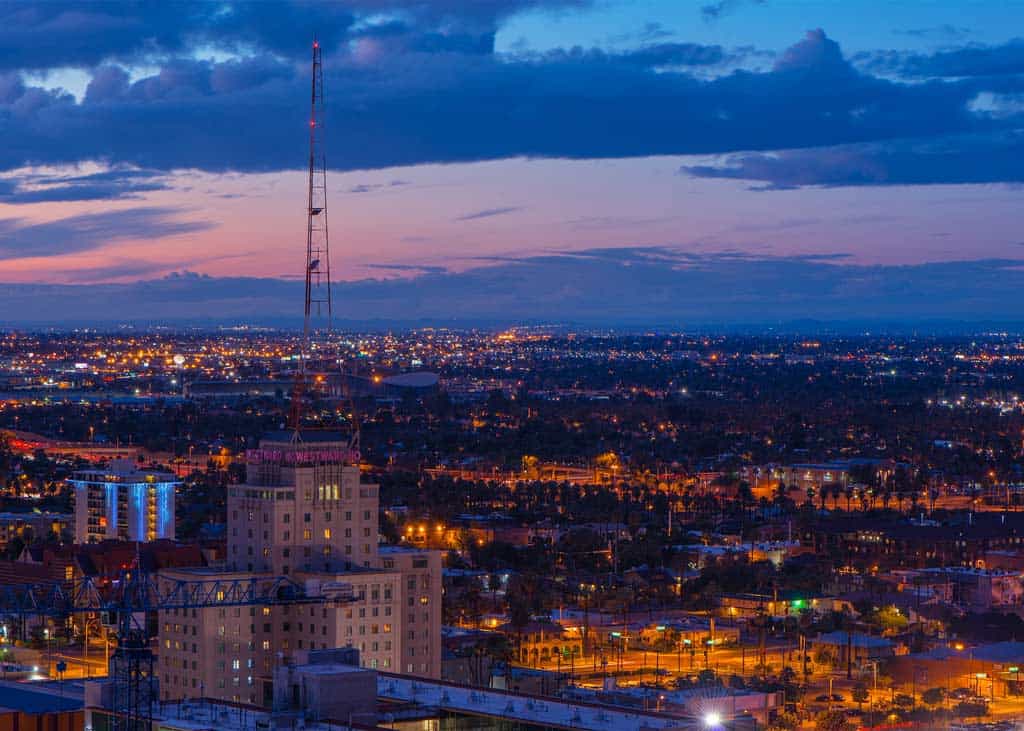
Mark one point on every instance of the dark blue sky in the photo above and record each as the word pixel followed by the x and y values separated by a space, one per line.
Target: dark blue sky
pixel 856 158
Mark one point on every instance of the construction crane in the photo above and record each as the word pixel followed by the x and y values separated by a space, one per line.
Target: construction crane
pixel 125 596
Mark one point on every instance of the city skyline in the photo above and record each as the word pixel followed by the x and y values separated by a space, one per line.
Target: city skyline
pixel 493 161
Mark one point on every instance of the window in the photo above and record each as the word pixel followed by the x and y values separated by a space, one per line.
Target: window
pixel 327 516
pixel 287 517
pixel 327 534
pixel 307 534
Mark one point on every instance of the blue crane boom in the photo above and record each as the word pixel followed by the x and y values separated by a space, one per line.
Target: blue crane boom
pixel 138 591
pixel 132 592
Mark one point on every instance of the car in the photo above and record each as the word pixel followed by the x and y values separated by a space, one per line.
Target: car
pixel 838 697
pixel 961 694
pixel 823 698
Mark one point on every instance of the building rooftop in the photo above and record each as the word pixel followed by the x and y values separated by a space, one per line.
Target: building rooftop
pixel 855 639
pixel 42 697
pixel 419 379
pixel 330 668
pixel 517 707
pixel 123 470
pixel 307 437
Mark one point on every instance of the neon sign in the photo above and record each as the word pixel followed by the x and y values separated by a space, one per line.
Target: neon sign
pixel 293 457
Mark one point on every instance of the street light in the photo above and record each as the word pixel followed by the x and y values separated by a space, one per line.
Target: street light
pixel 712 719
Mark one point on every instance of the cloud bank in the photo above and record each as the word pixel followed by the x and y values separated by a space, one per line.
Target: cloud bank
pixel 411 83
pixel 635 286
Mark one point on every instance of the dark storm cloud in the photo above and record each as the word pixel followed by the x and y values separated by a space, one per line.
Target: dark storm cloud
pixel 611 287
pixel 406 107
pixel 412 82
pixel 19 239
pixel 62 33
pixel 993 158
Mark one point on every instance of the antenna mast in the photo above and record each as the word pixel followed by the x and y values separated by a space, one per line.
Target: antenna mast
pixel 318 259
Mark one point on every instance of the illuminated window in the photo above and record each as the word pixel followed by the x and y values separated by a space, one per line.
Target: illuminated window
pixel 327 534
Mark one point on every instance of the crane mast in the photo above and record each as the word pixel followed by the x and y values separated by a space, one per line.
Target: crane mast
pixel 121 598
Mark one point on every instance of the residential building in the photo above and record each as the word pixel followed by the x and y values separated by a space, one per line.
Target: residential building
pixel 303 513
pixel 29 526
pixel 122 502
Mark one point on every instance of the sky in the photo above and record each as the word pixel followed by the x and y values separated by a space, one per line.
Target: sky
pixel 596 161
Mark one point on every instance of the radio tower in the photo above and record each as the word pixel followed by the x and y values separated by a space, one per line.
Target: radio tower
pixel 318 259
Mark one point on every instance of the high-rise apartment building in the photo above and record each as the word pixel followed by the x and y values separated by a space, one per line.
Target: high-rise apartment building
pixel 122 502
pixel 303 513
pixel 302 508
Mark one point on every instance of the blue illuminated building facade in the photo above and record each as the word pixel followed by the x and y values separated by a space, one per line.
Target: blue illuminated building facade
pixel 122 502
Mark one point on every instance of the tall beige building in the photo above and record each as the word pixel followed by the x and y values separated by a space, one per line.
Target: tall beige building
pixel 303 513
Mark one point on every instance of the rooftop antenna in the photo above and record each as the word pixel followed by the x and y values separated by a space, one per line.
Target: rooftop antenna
pixel 318 260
